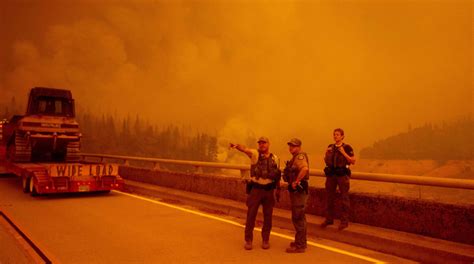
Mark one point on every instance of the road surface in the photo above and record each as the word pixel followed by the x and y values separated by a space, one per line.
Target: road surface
pixel 126 228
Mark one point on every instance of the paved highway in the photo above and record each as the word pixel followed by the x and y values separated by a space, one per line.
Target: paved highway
pixel 125 228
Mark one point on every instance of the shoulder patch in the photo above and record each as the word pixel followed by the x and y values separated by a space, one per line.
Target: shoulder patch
pixel 301 157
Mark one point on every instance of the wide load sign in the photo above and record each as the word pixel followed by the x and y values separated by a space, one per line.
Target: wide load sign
pixel 78 170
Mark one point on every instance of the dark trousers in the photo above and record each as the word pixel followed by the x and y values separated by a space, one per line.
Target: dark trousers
pixel 267 199
pixel 298 206
pixel 331 184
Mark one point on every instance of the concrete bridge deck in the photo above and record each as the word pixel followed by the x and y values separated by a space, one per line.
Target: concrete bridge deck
pixel 125 228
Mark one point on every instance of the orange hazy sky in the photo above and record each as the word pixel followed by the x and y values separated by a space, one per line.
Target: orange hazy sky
pixel 278 68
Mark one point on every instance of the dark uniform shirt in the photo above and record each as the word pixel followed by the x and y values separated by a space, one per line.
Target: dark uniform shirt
pixel 334 157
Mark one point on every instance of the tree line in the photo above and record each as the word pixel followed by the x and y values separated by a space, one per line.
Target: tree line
pixel 136 137
pixel 443 141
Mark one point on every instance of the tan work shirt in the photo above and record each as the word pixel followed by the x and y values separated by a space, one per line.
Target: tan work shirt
pixel 300 162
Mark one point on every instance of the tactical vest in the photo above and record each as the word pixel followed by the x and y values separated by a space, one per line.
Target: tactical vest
pixel 335 159
pixel 336 163
pixel 265 168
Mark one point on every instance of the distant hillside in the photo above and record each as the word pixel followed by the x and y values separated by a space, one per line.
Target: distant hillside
pixel 448 141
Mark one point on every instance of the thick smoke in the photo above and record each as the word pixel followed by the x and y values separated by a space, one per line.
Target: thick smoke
pixel 249 68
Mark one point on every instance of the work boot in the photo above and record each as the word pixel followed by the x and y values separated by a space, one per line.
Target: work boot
pixel 295 250
pixel 343 226
pixel 248 245
pixel 326 223
pixel 265 244
pixel 293 244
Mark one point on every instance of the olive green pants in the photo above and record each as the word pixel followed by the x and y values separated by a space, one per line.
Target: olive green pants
pixel 332 182
pixel 298 206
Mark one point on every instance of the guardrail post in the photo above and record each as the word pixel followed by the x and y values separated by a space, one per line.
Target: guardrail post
pixel 156 166
pixel 245 174
pixel 198 169
pixel 126 162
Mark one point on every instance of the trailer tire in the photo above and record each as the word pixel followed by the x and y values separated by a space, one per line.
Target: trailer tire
pixel 26 184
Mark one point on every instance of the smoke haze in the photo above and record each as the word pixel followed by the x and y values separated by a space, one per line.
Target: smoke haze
pixel 237 68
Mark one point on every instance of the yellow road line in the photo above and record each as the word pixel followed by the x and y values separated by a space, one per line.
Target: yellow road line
pixel 337 250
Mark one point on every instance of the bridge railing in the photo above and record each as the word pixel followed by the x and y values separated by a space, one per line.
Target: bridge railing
pixel 245 170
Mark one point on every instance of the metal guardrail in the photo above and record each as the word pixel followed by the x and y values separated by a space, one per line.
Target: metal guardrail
pixel 245 170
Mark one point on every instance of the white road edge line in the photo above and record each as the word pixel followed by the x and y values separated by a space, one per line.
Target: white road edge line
pixel 340 251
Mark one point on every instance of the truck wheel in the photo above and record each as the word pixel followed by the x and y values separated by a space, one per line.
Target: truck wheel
pixel 33 191
pixel 26 184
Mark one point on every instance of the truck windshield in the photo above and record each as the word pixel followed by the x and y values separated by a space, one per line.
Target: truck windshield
pixel 53 106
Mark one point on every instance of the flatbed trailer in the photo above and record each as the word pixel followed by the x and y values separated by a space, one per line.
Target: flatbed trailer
pixel 42 147
pixel 48 178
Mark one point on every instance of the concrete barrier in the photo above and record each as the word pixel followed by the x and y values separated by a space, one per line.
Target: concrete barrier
pixel 438 220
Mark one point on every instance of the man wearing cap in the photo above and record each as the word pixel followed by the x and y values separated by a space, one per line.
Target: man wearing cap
pixel 297 175
pixel 265 176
